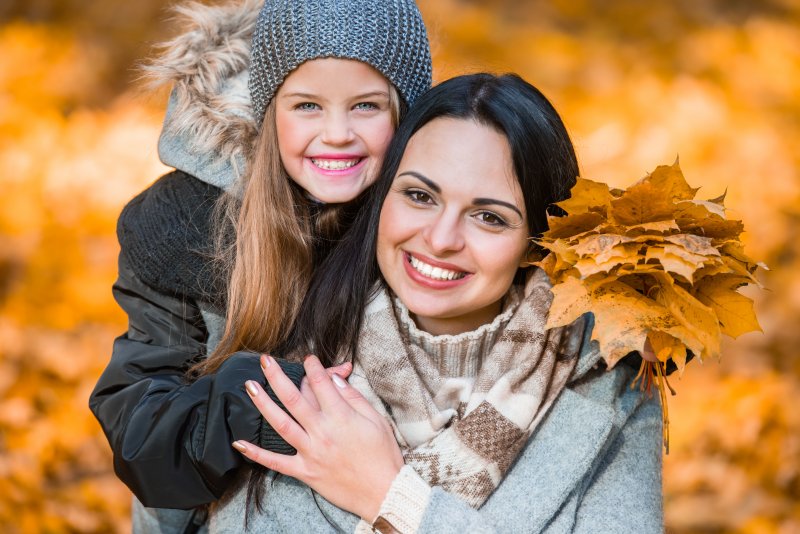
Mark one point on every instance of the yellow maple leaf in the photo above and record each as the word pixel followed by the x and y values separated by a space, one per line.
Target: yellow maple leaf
pixel 712 269
pixel 623 317
pixel 563 255
pixel 587 195
pixel 740 268
pixel 590 266
pixel 599 244
pixel 673 263
pixel 653 264
pixel 562 227
pixel 669 181
pixel 668 347
pixel 695 316
pixel 570 301
pixel 734 310
pixel 694 243
pixel 658 227
pixel 641 204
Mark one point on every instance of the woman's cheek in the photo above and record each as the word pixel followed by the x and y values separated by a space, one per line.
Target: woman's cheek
pixel 505 256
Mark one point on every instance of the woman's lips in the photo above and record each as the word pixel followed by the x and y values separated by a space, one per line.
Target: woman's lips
pixel 433 274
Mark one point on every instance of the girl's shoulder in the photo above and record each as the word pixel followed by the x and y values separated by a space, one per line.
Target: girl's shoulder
pixel 165 234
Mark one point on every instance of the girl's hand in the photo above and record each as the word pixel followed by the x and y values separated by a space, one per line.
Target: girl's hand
pixel 346 451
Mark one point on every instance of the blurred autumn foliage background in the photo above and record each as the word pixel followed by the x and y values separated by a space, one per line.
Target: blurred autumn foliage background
pixel 715 81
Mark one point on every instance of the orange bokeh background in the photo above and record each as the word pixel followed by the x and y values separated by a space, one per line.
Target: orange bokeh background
pixel 637 83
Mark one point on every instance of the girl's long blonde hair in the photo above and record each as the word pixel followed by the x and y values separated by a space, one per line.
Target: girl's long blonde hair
pixel 265 241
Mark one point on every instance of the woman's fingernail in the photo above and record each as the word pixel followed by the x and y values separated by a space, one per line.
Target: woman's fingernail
pixel 265 361
pixel 251 388
pixel 339 381
pixel 239 446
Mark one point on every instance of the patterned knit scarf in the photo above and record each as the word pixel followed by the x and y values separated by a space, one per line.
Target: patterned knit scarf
pixel 463 433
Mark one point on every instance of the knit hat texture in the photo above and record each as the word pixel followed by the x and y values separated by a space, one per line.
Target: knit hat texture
pixel 386 34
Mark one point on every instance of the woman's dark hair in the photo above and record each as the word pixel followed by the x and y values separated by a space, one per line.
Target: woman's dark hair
pixel 544 162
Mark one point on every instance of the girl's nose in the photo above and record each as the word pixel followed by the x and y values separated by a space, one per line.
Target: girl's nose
pixel 337 130
pixel 444 234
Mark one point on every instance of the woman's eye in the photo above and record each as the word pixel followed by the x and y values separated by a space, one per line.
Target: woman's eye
pixel 491 219
pixel 307 106
pixel 418 197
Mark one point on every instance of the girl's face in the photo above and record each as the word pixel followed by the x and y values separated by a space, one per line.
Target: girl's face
pixel 333 122
pixel 453 228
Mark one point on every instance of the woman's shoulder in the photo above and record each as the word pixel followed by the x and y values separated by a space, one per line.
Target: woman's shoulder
pixel 165 234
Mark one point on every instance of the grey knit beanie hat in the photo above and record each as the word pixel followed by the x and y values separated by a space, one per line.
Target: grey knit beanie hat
pixel 386 34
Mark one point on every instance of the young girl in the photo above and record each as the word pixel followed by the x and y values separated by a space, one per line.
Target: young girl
pixel 288 108
pixel 463 413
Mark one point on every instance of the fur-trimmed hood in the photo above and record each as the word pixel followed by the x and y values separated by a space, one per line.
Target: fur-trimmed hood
pixel 209 126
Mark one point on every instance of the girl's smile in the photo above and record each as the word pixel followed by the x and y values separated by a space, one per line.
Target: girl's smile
pixel 335 163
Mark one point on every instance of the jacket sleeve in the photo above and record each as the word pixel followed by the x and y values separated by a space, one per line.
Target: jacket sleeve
pixel 170 437
pixel 625 492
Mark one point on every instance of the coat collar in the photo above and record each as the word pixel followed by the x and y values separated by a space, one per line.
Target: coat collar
pixel 209 127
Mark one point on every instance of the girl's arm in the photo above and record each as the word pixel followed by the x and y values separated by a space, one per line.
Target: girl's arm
pixel 171 437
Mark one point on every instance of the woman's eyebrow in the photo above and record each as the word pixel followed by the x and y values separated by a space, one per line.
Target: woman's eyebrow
pixel 422 178
pixel 491 201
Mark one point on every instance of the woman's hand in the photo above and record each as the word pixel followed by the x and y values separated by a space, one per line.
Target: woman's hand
pixel 346 451
pixel 342 370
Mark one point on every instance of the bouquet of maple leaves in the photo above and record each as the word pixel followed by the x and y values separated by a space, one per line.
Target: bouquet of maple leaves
pixel 657 268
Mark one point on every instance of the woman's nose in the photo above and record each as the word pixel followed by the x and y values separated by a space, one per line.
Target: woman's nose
pixel 444 234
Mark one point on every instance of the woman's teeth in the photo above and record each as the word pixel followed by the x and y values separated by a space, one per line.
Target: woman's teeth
pixel 335 164
pixel 437 273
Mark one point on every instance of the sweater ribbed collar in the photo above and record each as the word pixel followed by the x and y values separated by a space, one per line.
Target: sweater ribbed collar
pixel 457 355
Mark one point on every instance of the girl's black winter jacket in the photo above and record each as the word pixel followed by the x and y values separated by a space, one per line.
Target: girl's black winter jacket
pixel 171 437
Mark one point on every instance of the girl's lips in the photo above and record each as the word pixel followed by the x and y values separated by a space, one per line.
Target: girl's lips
pixel 428 282
pixel 327 164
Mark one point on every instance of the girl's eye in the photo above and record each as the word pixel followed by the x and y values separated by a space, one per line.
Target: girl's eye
pixel 491 219
pixel 418 196
pixel 307 106
pixel 366 106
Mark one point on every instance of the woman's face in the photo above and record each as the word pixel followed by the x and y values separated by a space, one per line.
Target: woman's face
pixel 333 122
pixel 453 228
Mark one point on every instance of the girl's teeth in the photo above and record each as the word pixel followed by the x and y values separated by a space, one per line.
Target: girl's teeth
pixel 334 164
pixel 437 273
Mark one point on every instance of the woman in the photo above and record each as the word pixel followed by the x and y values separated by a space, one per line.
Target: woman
pixel 463 413
pixel 287 106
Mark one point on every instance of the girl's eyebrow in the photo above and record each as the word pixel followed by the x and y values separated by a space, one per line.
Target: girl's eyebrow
pixel 372 94
pixel 477 201
pixel 311 96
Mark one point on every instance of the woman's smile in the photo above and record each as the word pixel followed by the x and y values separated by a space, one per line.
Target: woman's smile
pixel 433 273
pixel 452 231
